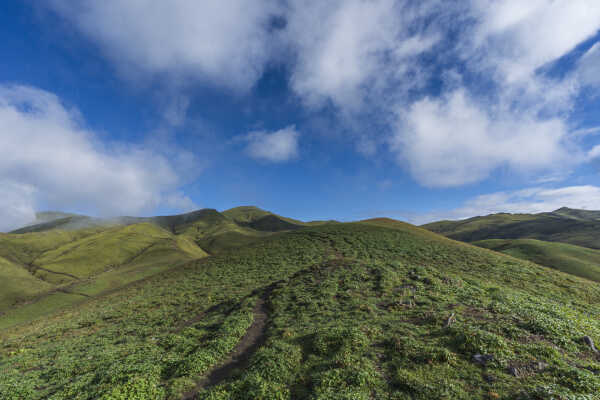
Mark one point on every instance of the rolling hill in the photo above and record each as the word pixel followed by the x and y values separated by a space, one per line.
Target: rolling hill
pixel 565 239
pixel 578 227
pixel 373 310
pixel 575 260
pixel 67 258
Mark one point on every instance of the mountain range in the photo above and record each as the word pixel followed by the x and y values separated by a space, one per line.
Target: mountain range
pixel 247 304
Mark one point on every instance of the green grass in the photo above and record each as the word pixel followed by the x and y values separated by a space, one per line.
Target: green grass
pixel 568 258
pixel 577 227
pixel 357 311
pixel 18 284
pixel 42 272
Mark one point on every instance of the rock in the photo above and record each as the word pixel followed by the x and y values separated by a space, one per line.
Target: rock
pixel 513 371
pixel 482 359
pixel 451 319
pixel 540 366
pixel 590 342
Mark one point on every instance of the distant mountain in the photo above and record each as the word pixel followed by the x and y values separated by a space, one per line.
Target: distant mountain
pixel 565 225
pixel 576 260
pixel 566 239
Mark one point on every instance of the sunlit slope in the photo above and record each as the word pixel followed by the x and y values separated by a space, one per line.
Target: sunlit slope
pixel 575 260
pixel 17 284
pixel 353 311
pixel 25 248
pixel 46 271
pixel 109 249
pixel 578 227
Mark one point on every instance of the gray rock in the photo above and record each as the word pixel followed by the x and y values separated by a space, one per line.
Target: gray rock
pixel 482 359
pixel 513 371
pixel 590 342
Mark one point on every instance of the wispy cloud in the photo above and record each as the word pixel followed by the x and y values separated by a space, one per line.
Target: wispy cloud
pixel 275 147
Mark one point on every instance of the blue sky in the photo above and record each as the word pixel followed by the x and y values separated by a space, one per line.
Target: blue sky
pixel 340 109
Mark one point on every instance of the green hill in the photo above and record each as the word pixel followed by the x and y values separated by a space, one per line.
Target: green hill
pixel 372 310
pixel 578 227
pixel 568 258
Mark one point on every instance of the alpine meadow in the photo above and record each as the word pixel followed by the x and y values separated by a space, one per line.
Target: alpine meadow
pixel 300 200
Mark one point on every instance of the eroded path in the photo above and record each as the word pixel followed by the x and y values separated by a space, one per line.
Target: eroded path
pixel 239 357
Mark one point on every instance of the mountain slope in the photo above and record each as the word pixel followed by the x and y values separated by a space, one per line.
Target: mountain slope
pixel 564 257
pixel 371 310
pixel 42 272
pixel 578 227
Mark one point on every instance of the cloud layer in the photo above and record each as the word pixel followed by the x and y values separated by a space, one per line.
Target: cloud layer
pixel 49 159
pixel 461 88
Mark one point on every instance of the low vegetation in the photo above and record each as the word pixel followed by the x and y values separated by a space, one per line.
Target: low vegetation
pixel 564 257
pixel 373 310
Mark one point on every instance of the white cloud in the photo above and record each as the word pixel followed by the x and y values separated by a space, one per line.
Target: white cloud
pixel 223 42
pixel 589 67
pixel 49 158
pixel 16 205
pixel 278 146
pixel 453 141
pixel 347 48
pixel 372 58
pixel 531 200
pixel 518 36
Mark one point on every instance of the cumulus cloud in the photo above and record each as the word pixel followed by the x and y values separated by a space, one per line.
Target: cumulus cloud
pixel 530 200
pixel 225 42
pixel 49 158
pixel 347 48
pixel 453 141
pixel 394 62
pixel 278 146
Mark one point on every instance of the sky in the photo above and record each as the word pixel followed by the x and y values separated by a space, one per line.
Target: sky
pixel 344 109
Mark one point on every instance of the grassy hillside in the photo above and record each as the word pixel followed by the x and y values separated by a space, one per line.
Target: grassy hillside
pixel 372 310
pixel 568 258
pixel 578 227
pixel 42 272
pixel 18 284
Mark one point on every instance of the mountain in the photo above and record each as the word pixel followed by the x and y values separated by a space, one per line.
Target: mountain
pixel 377 309
pixel 566 239
pixel 578 227
pixel 66 258
pixel 569 258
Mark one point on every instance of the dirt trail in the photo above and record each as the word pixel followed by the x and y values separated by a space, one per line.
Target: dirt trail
pixel 239 357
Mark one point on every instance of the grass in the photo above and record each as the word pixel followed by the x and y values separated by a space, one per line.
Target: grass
pixel 577 227
pixel 18 284
pixel 45 271
pixel 568 258
pixel 356 311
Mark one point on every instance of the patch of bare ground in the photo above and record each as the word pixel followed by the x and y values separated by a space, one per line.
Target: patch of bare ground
pixel 239 357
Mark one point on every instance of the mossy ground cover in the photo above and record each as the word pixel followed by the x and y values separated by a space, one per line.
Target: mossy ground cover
pixel 356 311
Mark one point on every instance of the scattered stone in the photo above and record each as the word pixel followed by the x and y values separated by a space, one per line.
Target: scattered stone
pixel 513 371
pixel 590 342
pixel 451 319
pixel 482 359
pixel 539 366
